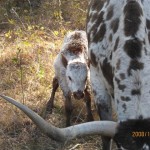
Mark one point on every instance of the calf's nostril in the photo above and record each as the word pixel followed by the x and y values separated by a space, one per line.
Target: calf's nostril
pixel 78 95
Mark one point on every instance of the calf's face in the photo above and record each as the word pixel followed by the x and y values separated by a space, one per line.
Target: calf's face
pixel 76 76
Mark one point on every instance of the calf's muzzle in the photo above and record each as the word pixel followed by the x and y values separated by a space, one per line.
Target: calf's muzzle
pixel 78 95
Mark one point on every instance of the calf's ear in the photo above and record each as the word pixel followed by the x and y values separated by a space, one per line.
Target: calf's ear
pixel 64 60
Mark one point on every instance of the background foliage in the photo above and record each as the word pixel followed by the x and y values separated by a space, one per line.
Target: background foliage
pixel 48 13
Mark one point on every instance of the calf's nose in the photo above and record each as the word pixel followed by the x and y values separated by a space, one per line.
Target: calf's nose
pixel 78 95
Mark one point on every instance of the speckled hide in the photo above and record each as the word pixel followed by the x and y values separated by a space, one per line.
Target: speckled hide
pixel 119 51
pixel 72 72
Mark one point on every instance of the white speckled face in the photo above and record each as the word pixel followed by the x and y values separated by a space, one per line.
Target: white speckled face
pixel 76 75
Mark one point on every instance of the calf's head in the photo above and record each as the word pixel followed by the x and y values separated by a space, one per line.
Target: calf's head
pixel 76 76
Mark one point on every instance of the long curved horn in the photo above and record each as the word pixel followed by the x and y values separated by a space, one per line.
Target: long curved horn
pixel 105 128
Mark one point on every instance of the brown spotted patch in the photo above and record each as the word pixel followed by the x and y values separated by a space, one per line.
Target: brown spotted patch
pixel 122 76
pixel 114 25
pixel 136 92
pixel 110 56
pixel 110 37
pixel 99 20
pixel 117 101
pixel 142 1
pixel 93 59
pixel 108 1
pixel 107 72
pixel 112 95
pixel 76 36
pixel 95 17
pixel 117 80
pixel 149 36
pixel 94 92
pixel 132 12
pixel 116 44
pixel 100 34
pixel 121 87
pixel 148 24
pixel 118 64
pixel 135 65
pixel 124 107
pixel 103 111
pixel 141 117
pixel 133 48
pixel 97 5
pixel 110 13
pixel 145 50
pixel 126 99
pixel 94 28
pixel 89 15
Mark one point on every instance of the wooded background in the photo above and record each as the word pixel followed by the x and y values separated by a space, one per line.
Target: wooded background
pixel 48 13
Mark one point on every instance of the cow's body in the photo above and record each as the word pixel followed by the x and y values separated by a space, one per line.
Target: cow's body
pixel 72 72
pixel 119 50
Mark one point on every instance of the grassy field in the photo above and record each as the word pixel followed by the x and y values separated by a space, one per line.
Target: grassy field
pixel 29 42
pixel 26 74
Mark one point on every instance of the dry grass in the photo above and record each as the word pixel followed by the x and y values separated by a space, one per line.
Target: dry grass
pixel 27 52
pixel 26 72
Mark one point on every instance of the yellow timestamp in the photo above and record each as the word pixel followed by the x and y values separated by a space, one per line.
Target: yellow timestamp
pixel 141 134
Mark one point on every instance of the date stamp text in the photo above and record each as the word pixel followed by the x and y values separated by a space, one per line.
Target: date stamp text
pixel 141 134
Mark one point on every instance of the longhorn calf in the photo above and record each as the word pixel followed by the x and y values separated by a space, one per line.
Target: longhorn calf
pixel 72 73
pixel 119 51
